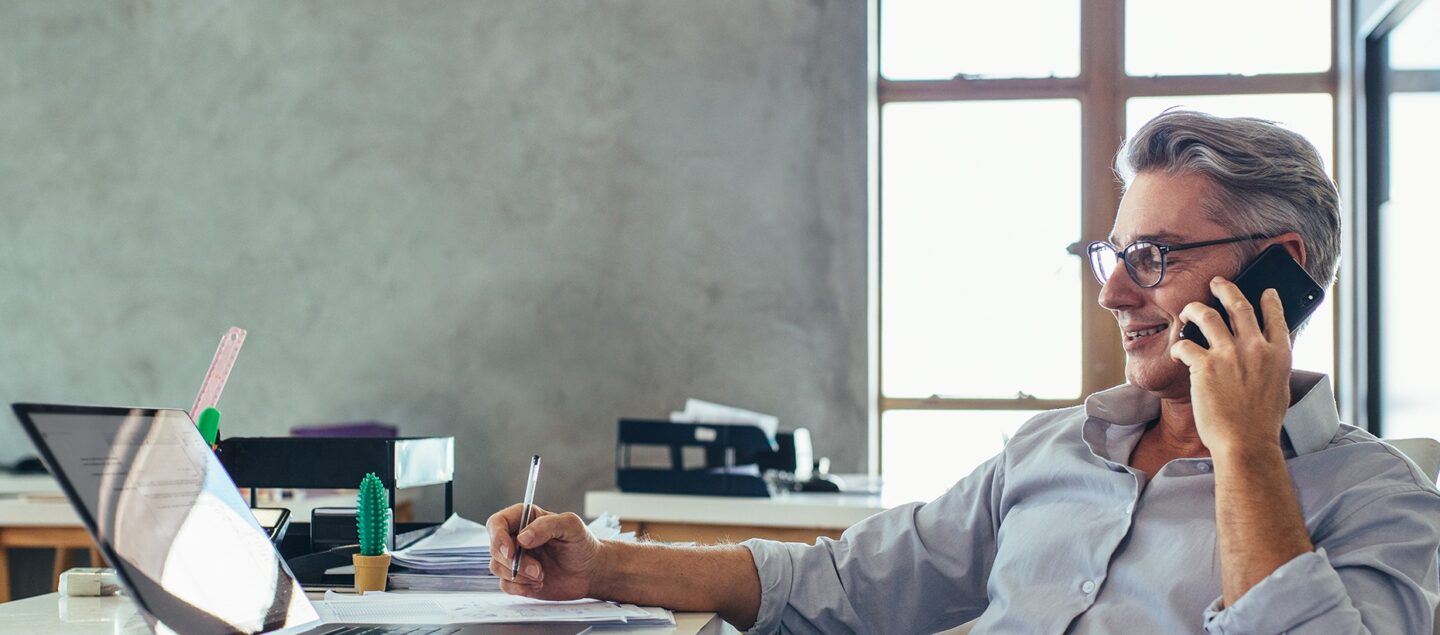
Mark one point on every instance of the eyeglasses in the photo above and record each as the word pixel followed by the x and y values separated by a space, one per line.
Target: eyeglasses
pixel 1145 260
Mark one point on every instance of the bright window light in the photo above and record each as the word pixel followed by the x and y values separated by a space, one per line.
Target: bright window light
pixel 924 452
pixel 980 201
pixel 1408 226
pixel 938 39
pixel 1226 37
pixel 1415 44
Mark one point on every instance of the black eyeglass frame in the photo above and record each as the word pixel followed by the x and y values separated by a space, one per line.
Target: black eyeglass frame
pixel 1124 254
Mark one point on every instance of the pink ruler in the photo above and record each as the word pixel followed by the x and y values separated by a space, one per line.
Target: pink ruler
pixel 219 372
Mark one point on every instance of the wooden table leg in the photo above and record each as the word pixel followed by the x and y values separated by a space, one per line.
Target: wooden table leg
pixel 4 568
pixel 61 539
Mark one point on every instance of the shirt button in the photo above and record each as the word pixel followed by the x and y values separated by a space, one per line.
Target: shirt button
pixel 1088 586
pixel 1203 466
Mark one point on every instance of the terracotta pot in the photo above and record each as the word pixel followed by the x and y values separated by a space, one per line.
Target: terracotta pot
pixel 370 572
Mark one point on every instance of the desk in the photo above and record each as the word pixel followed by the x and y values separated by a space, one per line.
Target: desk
pixel 11 484
pixel 33 513
pixel 787 516
pixel 52 613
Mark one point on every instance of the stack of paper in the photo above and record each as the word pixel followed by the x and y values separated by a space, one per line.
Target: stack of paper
pixel 481 608
pixel 457 556
pixel 457 580
pixel 698 411
pixel 458 544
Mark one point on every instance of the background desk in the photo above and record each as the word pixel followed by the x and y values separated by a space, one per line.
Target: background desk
pixel 789 516
pixel 52 613
pixel 40 519
pixel 35 514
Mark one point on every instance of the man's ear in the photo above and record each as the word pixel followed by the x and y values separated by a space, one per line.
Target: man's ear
pixel 1293 244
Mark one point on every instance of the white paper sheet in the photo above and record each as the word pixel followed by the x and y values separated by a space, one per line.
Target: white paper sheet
pixel 476 608
pixel 698 411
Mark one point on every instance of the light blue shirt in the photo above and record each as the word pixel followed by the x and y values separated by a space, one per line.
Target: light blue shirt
pixel 1057 534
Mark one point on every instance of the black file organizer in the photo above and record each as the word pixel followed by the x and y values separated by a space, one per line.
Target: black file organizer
pixel 338 463
pixel 725 446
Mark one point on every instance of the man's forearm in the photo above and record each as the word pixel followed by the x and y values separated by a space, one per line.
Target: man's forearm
pixel 1257 517
pixel 721 579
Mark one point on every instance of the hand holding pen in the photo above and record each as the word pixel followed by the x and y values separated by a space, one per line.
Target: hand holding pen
pixel 549 556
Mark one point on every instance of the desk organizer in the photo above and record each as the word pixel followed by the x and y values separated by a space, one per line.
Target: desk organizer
pixel 732 454
pixel 340 463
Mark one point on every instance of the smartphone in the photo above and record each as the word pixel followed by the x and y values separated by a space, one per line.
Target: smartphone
pixel 1272 269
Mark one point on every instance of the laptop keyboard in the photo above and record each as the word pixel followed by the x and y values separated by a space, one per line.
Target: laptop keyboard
pixel 403 629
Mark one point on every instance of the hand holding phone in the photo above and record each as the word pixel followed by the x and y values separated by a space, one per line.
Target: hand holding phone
pixel 1272 269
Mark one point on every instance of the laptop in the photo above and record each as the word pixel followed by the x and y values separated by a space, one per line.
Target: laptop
pixel 184 544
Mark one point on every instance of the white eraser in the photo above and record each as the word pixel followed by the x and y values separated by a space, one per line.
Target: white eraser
pixel 89 582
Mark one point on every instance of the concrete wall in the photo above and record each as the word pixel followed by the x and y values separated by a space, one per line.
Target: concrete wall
pixel 512 222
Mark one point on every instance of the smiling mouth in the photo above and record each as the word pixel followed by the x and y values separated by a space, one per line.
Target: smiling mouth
pixel 1135 335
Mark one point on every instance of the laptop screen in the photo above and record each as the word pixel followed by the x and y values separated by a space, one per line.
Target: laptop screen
pixel 169 518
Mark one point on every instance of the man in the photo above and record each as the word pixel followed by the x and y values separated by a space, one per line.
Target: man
pixel 1215 490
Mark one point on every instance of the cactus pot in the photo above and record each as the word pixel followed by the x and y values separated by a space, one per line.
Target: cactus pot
pixel 370 572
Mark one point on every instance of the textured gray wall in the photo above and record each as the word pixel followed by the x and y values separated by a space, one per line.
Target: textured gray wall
pixel 508 221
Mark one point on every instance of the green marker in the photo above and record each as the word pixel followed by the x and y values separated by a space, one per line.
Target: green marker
pixel 209 425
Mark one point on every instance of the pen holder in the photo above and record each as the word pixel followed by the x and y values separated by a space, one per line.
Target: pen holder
pixel 370 572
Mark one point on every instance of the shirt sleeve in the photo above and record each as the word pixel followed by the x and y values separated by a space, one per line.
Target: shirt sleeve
pixel 1377 573
pixel 913 568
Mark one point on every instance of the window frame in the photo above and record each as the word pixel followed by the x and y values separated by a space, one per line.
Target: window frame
pixel 1103 88
pixel 1370 82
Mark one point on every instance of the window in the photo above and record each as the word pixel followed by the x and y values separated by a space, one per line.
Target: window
pixel 951 443
pixel 998 126
pixel 1403 97
pixel 949 266
pixel 1220 37
pixel 926 39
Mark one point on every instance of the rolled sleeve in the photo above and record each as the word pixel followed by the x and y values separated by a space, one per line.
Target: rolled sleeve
pixel 1301 590
pixel 803 588
pixel 913 568
pixel 776 567
pixel 1375 573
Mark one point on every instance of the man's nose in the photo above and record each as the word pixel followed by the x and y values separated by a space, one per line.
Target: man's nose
pixel 1120 291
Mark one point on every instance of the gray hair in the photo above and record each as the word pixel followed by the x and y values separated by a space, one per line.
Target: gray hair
pixel 1267 179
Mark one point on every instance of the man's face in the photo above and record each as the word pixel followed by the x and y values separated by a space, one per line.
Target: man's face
pixel 1165 209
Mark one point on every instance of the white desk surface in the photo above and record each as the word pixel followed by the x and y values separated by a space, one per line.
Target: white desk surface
pixel 28 513
pixel 26 483
pixel 785 509
pixel 115 615
pixel 49 508
pixel 34 500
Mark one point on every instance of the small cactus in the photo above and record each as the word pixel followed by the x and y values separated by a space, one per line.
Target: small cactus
pixel 372 516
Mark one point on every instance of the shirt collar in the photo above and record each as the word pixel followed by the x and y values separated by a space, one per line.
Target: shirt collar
pixel 1313 421
pixel 1309 424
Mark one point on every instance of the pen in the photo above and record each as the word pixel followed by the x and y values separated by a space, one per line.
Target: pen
pixel 525 513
